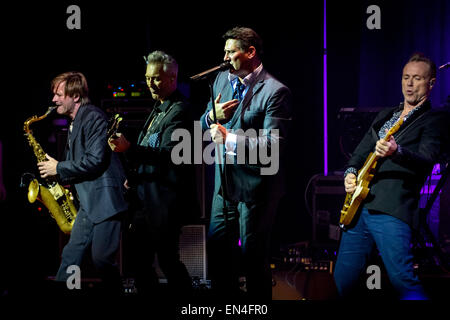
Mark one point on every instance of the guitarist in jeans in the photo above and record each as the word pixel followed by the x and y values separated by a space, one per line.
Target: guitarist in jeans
pixel 390 212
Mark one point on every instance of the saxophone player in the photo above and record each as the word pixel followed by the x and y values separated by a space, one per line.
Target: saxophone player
pixel 98 178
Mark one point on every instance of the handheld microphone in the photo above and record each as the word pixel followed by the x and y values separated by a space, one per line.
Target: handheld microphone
pixel 226 65
pixel 445 66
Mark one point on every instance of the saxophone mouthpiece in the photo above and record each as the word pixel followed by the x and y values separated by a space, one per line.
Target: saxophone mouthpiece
pixel 50 109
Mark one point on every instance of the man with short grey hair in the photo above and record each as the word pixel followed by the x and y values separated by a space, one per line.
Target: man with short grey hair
pixel 161 185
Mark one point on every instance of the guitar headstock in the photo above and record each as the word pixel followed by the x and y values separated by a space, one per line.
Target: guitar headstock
pixel 113 125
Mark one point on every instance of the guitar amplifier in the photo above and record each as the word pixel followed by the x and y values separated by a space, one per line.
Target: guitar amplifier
pixel 192 253
pixel 305 272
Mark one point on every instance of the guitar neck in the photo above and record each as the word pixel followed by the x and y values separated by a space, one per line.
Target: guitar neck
pixel 371 159
pixel 114 126
pixel 388 136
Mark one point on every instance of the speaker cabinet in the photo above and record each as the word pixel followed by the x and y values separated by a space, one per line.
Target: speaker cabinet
pixel 328 198
pixel 192 252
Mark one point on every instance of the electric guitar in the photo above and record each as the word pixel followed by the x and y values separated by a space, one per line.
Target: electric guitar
pixel 365 175
pixel 130 171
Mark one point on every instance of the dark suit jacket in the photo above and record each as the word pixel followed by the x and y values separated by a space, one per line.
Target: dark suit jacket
pixel 266 105
pixel 96 172
pixel 395 188
pixel 166 191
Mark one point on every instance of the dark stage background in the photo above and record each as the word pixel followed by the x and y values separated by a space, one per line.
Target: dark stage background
pixel 364 69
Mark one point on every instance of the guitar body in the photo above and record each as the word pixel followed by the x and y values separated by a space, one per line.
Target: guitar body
pixel 353 200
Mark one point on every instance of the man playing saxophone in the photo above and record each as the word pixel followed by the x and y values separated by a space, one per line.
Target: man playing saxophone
pixel 98 177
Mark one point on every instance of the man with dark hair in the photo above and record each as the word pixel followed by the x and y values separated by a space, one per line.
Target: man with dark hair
pixel 390 212
pixel 98 178
pixel 164 190
pixel 245 197
pixel 247 38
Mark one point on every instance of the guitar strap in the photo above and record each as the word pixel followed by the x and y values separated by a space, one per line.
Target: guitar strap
pixel 409 124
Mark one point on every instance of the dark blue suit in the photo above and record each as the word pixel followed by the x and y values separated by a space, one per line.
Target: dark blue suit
pixel 98 177
pixel 252 195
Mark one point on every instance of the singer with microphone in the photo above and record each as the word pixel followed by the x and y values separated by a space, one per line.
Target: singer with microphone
pixel 246 98
pixel 390 213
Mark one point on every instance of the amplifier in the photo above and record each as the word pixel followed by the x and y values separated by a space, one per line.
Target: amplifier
pixel 305 272
pixel 327 200
pixel 192 253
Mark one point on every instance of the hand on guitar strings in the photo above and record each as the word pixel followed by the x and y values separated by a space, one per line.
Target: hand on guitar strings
pixel 118 143
pixel 385 148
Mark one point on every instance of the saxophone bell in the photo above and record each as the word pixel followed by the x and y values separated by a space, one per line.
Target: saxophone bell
pixel 28 181
pixel 33 191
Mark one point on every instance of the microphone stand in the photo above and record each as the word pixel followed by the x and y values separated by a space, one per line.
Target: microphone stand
pixel 223 178
pixel 223 185
pixel 208 75
pixel 440 259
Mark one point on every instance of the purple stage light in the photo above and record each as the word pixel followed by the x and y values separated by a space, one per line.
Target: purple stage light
pixel 325 98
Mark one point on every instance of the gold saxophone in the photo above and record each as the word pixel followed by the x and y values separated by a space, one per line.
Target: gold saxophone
pixel 57 199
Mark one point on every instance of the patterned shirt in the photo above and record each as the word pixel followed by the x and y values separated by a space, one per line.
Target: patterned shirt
pixel 382 132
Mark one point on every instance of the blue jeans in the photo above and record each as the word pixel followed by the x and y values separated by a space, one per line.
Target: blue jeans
pixel 392 237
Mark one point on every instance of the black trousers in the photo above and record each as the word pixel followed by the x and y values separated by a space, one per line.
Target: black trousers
pixel 146 240
pixel 239 245
pixel 104 240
